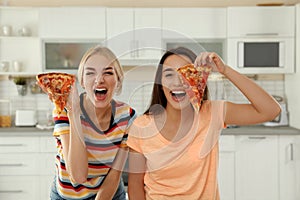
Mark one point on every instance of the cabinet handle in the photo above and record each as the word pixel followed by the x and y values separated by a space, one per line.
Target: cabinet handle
pixel 262 34
pixel 292 152
pixel 137 49
pixel 11 165
pixel 132 49
pixel 11 145
pixel 256 137
pixel 11 191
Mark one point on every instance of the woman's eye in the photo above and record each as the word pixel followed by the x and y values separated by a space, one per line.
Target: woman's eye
pixel 108 73
pixel 168 75
pixel 89 73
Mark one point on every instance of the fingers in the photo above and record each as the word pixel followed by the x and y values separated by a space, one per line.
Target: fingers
pixel 206 58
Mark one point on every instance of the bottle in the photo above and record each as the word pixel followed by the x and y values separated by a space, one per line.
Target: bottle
pixel 5 114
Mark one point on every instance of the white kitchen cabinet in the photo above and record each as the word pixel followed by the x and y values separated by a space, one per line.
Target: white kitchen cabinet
pixel 27 167
pixel 256 165
pixel 134 34
pixel 19 187
pixel 47 165
pixel 73 22
pixel 289 160
pixel 261 21
pixel 196 23
pixel 226 171
pixel 16 46
pixel 292 81
pixel 45 186
pixel 148 33
pixel 120 32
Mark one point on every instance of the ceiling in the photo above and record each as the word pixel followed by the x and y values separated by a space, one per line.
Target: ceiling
pixel 144 3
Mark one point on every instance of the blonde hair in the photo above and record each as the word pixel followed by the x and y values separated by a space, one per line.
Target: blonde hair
pixel 104 51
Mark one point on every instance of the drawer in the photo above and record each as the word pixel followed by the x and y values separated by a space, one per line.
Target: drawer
pixel 19 144
pixel 48 144
pixel 19 187
pixel 19 164
pixel 47 164
pixel 45 186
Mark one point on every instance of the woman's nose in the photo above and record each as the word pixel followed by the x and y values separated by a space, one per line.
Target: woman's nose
pixel 177 80
pixel 180 82
pixel 99 79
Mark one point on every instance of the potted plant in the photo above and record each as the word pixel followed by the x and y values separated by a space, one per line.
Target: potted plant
pixel 21 85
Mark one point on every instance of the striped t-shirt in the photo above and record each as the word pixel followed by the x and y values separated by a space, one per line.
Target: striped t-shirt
pixel 102 147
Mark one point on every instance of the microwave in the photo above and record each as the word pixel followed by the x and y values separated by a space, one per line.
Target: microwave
pixel 262 55
pixel 65 54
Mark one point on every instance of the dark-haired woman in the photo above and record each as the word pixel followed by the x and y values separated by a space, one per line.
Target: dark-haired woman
pixel 174 149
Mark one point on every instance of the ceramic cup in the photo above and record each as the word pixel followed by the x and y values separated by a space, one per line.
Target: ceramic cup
pixel 24 31
pixel 6 30
pixel 4 66
pixel 17 65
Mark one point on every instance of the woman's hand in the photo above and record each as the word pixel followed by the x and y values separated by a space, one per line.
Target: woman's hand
pixel 211 59
pixel 73 98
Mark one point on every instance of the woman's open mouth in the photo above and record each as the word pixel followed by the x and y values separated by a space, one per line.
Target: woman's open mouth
pixel 100 93
pixel 178 95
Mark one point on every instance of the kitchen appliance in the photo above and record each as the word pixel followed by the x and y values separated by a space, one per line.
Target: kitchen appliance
pixel 282 118
pixel 65 54
pixel 26 118
pixel 268 54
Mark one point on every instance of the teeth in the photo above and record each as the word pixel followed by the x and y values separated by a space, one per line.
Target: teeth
pixel 101 90
pixel 178 92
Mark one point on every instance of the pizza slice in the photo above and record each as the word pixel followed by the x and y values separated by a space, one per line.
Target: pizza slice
pixel 57 86
pixel 196 77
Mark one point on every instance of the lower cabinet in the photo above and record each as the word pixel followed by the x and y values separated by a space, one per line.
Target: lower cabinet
pixel 289 166
pixel 19 187
pixel 256 167
pixel 259 167
pixel 45 186
pixel 251 167
pixel 226 172
pixel 26 167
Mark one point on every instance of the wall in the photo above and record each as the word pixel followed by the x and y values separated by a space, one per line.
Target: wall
pixel 292 81
pixel 137 89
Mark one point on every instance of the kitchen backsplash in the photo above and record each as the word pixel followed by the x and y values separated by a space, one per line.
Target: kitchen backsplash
pixel 135 92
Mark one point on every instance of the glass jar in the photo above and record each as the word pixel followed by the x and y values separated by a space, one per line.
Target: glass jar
pixel 5 113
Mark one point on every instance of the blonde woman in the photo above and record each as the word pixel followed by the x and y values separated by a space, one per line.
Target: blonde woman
pixel 90 132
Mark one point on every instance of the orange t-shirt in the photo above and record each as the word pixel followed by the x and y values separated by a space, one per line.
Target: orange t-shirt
pixel 185 169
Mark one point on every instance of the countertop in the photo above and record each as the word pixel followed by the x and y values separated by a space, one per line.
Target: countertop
pixel 24 131
pixel 261 130
pixel 242 130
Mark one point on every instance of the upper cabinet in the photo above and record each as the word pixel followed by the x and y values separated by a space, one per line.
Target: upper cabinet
pixel 261 40
pixel 134 33
pixel 261 21
pixel 120 27
pixel 196 23
pixel 19 40
pixel 138 36
pixel 73 22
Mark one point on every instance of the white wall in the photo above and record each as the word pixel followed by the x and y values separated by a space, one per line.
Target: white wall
pixel 292 82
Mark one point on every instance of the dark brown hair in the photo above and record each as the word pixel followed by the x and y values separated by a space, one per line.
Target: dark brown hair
pixel 158 96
